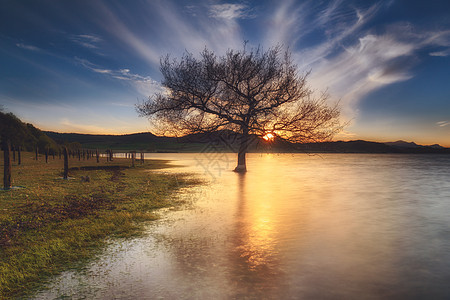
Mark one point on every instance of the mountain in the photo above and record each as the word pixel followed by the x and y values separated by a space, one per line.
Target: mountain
pixel 403 144
pixel 411 146
pixel 229 142
pixel 137 141
pixel 357 146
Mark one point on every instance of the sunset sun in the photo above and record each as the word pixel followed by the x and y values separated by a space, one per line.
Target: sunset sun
pixel 269 136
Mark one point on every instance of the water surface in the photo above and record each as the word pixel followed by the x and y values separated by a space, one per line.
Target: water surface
pixel 296 226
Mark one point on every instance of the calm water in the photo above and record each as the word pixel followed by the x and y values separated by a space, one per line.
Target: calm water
pixel 297 226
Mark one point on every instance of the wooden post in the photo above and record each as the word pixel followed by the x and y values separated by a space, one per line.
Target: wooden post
pixel 133 153
pixel 66 164
pixel 6 163
pixel 19 157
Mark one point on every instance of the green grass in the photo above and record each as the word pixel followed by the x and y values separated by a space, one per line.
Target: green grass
pixel 53 224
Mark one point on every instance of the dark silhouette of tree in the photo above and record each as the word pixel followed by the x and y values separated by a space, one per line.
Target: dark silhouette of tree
pixel 250 92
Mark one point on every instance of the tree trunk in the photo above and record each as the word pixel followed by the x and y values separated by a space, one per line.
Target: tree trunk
pixel 37 155
pixel 13 149
pixel 46 155
pixel 6 163
pixel 132 159
pixel 97 156
pixel 66 164
pixel 242 164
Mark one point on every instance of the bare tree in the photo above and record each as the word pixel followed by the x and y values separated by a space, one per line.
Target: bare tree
pixel 251 92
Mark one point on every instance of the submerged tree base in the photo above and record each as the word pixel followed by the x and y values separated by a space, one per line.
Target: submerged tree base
pixel 240 169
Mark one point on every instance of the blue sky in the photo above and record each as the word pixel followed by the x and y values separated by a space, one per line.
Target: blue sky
pixel 81 66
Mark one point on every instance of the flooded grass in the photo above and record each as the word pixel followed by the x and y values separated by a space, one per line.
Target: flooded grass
pixel 52 224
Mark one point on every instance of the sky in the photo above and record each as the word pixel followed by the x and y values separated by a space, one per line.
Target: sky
pixel 82 66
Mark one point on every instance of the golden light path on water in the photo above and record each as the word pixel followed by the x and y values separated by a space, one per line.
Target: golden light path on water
pixel 295 226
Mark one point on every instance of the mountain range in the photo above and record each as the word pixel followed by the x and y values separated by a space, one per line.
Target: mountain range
pixel 227 141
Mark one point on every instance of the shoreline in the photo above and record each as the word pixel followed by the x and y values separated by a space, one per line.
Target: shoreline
pixel 52 225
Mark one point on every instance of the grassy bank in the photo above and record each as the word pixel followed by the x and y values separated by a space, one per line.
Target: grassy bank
pixel 53 224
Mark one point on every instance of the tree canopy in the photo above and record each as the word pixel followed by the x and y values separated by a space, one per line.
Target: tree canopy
pixel 11 128
pixel 24 135
pixel 251 92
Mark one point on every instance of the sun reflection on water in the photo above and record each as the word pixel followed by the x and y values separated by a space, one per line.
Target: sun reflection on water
pixel 256 256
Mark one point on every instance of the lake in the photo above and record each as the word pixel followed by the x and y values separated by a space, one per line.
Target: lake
pixel 295 226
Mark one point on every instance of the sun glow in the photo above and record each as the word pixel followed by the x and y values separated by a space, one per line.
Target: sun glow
pixel 269 136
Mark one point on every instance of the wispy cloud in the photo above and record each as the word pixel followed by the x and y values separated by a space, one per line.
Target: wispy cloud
pixel 93 67
pixel 215 27
pixel 230 11
pixel 86 40
pixel 443 123
pixel 113 24
pixel 145 85
pixel 69 126
pixel 28 47
pixel 286 24
pixel 374 61
pixel 351 61
pixel 441 53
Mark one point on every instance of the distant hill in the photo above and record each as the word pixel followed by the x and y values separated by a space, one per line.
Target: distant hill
pixel 100 138
pixel 357 146
pixel 403 144
pixel 137 141
pixel 228 141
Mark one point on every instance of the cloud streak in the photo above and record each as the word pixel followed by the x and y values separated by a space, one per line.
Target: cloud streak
pixel 145 85
pixel 28 47
pixel 230 11
pixel 86 40
pixel 352 61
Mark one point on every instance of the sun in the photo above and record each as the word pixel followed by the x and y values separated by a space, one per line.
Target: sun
pixel 269 136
